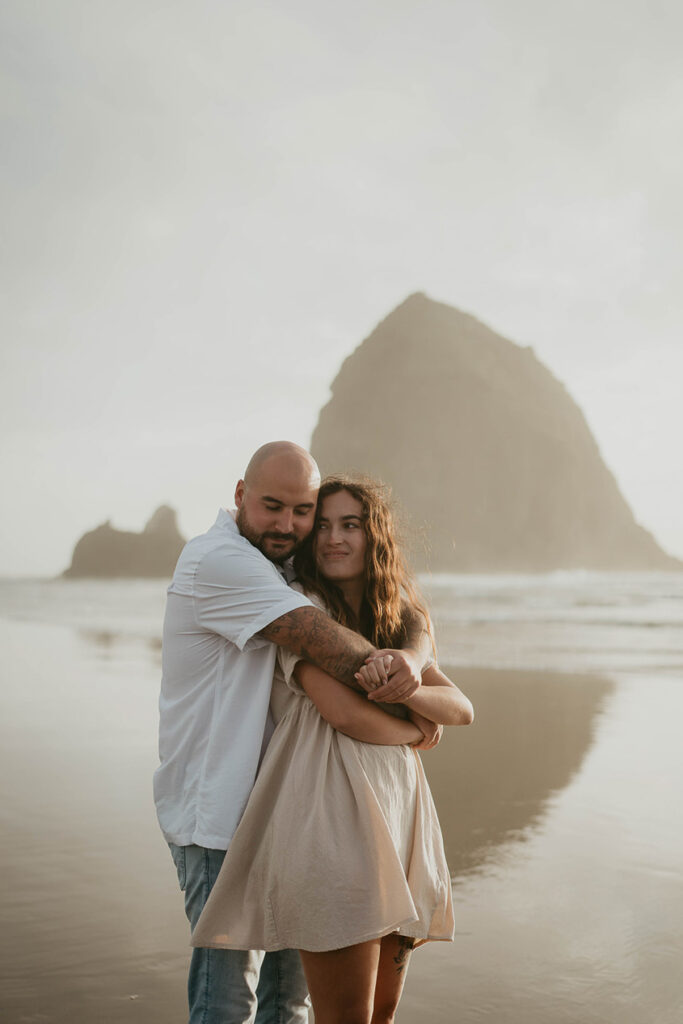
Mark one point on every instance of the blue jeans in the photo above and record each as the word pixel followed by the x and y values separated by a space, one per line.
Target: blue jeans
pixel 235 986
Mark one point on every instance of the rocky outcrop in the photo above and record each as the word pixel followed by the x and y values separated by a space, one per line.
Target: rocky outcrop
pixel 110 553
pixel 483 447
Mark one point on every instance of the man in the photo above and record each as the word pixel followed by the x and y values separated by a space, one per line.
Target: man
pixel 228 607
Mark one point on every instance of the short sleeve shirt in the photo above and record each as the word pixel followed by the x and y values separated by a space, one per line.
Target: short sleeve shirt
pixel 216 681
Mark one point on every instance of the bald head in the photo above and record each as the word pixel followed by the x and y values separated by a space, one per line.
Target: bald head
pixel 290 457
pixel 276 499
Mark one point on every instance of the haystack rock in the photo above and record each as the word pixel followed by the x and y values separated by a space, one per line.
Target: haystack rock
pixel 111 553
pixel 483 448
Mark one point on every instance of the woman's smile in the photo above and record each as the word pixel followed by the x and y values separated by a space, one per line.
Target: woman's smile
pixel 340 538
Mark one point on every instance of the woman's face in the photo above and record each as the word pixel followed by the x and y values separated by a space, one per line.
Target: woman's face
pixel 340 540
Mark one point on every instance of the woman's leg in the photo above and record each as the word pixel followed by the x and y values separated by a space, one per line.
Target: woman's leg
pixel 342 982
pixel 394 958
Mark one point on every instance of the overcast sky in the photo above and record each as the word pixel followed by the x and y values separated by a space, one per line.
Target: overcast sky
pixel 209 204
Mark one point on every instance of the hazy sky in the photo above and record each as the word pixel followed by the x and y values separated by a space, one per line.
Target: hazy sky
pixel 208 205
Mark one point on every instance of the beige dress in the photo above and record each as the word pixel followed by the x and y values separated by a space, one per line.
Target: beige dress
pixel 339 843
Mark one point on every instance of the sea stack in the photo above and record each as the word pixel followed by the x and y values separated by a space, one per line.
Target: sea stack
pixel 110 553
pixel 483 448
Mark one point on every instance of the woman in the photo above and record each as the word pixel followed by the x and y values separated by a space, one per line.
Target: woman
pixel 339 851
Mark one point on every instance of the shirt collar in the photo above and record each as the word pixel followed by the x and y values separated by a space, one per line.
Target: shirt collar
pixel 227 519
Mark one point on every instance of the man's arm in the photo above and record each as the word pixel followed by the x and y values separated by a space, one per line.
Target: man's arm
pixel 315 637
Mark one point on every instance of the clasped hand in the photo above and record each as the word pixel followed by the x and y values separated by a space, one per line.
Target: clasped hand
pixel 390 676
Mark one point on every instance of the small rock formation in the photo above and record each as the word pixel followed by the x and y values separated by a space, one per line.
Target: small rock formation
pixel 483 448
pixel 110 553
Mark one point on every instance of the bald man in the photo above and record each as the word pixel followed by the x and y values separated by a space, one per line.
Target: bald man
pixel 229 605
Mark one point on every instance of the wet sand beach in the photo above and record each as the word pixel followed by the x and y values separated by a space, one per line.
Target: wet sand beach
pixel 560 808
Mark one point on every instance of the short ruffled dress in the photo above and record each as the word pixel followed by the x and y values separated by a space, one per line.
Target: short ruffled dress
pixel 339 843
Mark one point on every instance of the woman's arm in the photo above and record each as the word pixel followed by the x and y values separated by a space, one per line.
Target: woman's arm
pixel 440 700
pixel 418 639
pixel 351 713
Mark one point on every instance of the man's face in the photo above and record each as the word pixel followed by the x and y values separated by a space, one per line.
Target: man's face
pixel 276 510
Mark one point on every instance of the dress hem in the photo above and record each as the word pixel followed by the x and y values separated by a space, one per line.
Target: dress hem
pixel 420 940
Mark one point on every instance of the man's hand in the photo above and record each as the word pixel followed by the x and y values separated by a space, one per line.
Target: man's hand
pixel 431 731
pixel 391 676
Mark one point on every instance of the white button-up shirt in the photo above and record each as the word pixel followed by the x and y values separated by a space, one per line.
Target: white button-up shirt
pixel 216 683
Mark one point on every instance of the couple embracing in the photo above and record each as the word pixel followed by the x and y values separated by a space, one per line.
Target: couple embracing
pixel 290 717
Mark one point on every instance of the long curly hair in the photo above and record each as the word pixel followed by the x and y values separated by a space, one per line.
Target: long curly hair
pixel 389 586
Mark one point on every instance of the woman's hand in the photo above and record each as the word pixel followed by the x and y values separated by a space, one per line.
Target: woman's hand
pixel 374 673
pixel 404 671
pixel 431 731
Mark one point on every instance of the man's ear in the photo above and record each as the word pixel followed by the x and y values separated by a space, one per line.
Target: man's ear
pixel 239 493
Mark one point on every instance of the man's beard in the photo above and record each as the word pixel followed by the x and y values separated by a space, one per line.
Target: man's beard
pixel 260 540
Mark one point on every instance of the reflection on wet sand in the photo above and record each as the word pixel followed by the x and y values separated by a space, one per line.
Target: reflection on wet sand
pixel 95 928
pixel 99 637
pixel 106 640
pixel 492 780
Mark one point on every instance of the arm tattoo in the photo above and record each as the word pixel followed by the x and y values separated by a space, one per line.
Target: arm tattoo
pixel 312 634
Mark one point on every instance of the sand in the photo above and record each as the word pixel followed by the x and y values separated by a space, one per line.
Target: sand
pixel 560 812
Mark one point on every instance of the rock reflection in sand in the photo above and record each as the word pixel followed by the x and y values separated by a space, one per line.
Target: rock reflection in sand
pixel 491 782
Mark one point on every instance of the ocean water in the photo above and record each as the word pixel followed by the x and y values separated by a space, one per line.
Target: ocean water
pixel 560 806
pixel 572 621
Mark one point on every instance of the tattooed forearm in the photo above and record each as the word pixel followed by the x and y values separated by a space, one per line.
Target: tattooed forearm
pixel 405 946
pixel 312 634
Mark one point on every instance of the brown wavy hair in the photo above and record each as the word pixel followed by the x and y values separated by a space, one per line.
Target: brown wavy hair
pixel 389 586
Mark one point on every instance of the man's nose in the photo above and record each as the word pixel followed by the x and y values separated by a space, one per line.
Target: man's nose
pixel 285 520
